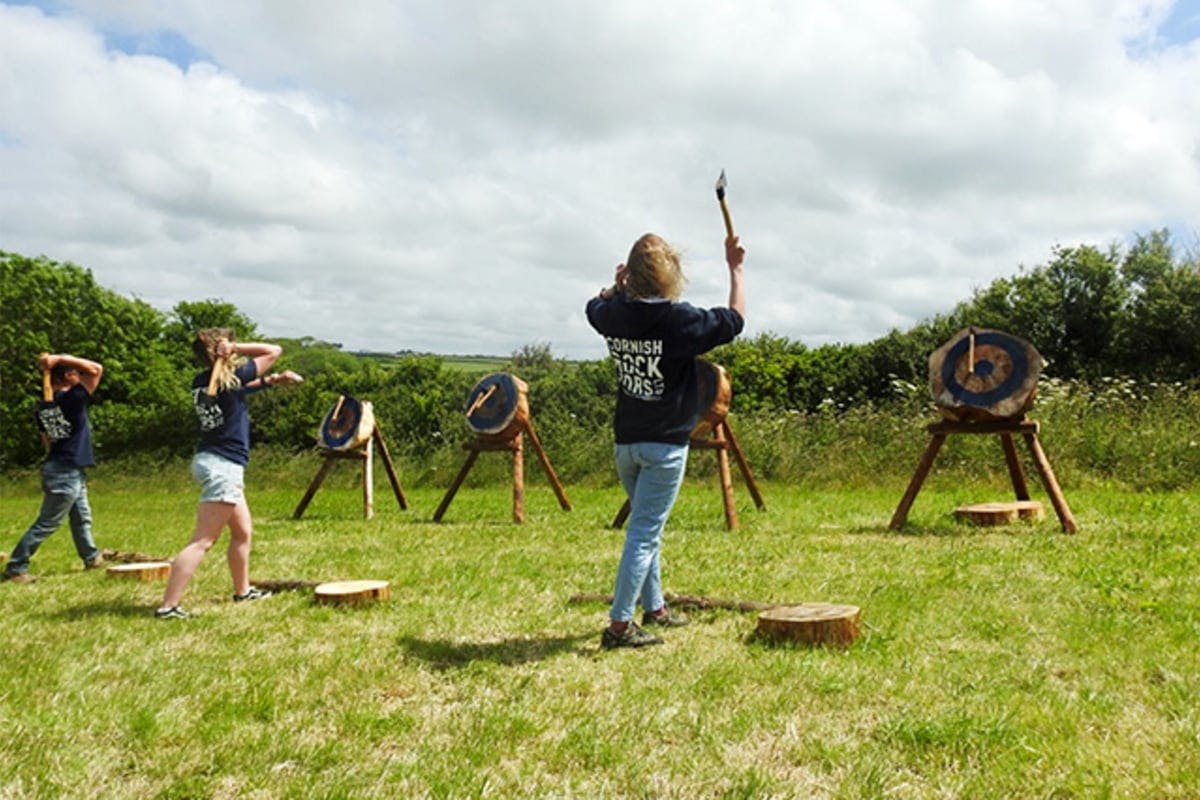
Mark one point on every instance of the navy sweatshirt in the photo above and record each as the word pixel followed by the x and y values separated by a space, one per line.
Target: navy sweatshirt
pixel 654 344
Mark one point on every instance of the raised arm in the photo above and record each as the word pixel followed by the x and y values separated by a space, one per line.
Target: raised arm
pixel 735 254
pixel 262 354
pixel 89 371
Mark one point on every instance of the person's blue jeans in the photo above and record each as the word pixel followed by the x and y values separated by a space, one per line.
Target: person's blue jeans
pixel 651 473
pixel 64 494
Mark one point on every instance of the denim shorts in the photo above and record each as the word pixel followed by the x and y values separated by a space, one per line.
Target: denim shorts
pixel 221 480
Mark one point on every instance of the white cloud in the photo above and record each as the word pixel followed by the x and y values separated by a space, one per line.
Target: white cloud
pixel 462 176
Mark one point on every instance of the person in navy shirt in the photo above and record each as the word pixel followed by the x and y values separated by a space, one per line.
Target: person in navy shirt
pixel 221 458
pixel 65 428
pixel 654 338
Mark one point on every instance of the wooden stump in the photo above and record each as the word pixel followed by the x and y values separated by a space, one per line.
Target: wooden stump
pixel 352 593
pixel 810 623
pixel 146 572
pixel 1001 513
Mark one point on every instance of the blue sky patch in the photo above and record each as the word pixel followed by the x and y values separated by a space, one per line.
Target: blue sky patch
pixel 164 43
pixel 1182 24
pixel 167 44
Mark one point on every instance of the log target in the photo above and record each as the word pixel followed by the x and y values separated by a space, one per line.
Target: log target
pixel 810 623
pixel 1000 513
pixel 348 425
pixel 984 374
pixel 146 571
pixel 352 593
pixel 715 391
pixel 498 405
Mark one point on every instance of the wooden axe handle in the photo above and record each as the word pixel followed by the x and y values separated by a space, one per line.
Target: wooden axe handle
pixel 47 388
pixel 483 398
pixel 218 366
pixel 727 218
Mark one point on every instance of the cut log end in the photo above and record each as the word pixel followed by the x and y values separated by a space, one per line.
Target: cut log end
pixel 1001 513
pixel 146 572
pixel 810 624
pixel 352 593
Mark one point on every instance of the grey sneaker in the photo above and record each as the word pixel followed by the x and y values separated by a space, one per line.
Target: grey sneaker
pixel 174 612
pixel 95 563
pixel 666 618
pixel 251 594
pixel 632 636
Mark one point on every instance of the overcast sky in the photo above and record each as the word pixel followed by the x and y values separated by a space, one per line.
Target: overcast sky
pixel 460 177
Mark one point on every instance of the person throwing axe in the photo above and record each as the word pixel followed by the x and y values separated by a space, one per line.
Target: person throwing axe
pixel 654 339
pixel 234 370
pixel 62 419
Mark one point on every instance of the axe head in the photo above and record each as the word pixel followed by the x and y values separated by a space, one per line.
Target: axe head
pixel 721 186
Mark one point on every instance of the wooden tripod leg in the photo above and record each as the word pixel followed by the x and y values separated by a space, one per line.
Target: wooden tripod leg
pixel 390 468
pixel 731 521
pixel 518 480
pixel 1051 483
pixel 369 479
pixel 622 515
pixel 1014 467
pixel 317 480
pixel 559 492
pixel 745 467
pixel 458 479
pixel 918 478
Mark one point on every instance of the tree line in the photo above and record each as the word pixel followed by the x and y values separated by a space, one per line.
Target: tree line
pixel 1092 312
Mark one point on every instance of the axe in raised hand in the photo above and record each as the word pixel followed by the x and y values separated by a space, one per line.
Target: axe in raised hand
pixel 724 208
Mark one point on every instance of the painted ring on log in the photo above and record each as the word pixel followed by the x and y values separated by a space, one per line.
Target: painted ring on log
pixel 497 405
pixel 984 374
pixel 348 424
pixel 1000 367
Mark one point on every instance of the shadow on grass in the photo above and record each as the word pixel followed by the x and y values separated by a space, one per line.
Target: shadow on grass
pixel 444 654
pixel 108 608
pixel 912 529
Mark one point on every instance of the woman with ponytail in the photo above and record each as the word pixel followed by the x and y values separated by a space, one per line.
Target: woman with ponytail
pixel 233 370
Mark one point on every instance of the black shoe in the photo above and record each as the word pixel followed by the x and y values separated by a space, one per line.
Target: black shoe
pixel 632 636
pixel 174 612
pixel 665 619
pixel 18 577
pixel 251 594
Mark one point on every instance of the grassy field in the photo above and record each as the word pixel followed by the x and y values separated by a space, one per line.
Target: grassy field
pixel 1011 662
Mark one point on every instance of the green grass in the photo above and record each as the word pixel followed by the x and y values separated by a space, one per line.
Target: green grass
pixel 993 663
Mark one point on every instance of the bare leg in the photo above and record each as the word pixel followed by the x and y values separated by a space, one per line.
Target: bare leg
pixel 210 519
pixel 240 529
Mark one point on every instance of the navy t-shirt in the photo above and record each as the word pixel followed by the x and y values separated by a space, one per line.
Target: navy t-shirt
pixel 224 419
pixel 65 423
pixel 654 344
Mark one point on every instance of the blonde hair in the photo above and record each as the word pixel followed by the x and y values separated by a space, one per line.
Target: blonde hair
pixel 204 346
pixel 653 269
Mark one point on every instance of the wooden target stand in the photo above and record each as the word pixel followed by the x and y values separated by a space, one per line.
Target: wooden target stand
pixel 714 432
pixel 498 411
pixel 350 432
pixel 1006 430
pixel 983 381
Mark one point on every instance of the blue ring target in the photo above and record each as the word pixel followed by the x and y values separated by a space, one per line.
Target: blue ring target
pixel 335 433
pixel 1001 379
pixel 493 413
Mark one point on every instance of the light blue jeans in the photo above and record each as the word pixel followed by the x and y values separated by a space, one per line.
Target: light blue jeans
pixel 64 494
pixel 651 473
